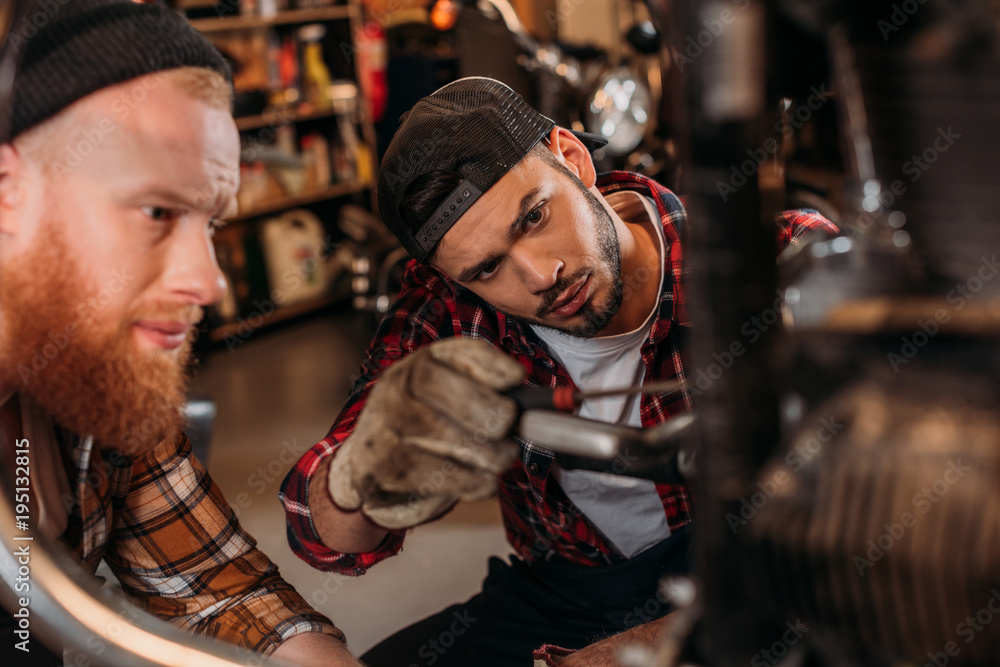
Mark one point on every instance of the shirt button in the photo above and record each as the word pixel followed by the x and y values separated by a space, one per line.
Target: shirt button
pixel 533 467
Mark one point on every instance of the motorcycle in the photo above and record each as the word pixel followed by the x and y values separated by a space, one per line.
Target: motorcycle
pixel 578 87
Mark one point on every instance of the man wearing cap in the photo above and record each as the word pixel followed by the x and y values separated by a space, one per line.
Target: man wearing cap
pixel 529 269
pixel 118 153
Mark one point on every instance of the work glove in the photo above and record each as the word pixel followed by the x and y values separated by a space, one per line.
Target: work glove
pixel 435 429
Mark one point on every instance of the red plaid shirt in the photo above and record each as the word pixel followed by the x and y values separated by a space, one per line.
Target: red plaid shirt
pixel 540 520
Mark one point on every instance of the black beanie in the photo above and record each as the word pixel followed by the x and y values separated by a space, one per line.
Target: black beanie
pixel 64 50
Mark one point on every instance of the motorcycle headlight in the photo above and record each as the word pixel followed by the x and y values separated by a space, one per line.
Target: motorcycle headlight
pixel 619 110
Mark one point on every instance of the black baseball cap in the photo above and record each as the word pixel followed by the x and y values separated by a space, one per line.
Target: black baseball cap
pixel 476 126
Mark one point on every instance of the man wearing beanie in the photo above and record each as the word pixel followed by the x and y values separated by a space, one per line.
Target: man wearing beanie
pixel 118 154
pixel 528 268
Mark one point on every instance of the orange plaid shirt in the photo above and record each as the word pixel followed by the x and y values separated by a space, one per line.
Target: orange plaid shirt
pixel 173 541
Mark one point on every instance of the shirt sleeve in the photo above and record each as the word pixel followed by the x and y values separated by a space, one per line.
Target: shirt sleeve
pixel 180 553
pixel 424 312
pixel 798 226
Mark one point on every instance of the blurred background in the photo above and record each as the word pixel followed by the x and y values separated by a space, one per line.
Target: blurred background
pixel 834 527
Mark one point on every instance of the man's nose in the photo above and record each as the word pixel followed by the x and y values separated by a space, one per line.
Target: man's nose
pixel 192 272
pixel 538 266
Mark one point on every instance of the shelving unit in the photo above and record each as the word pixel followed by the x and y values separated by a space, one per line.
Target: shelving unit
pixel 285 203
pixel 244 243
pixel 272 118
pixel 291 17
pixel 242 329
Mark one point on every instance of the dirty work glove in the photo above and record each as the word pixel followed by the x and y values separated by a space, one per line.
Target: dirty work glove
pixel 434 430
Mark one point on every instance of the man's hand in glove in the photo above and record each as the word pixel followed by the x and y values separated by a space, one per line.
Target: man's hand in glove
pixel 434 430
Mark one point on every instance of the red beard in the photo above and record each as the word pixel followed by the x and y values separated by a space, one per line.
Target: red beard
pixel 60 348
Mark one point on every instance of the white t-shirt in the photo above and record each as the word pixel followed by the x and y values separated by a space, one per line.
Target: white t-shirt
pixel 626 510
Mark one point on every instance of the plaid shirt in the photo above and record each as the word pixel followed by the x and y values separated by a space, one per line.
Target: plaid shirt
pixel 174 543
pixel 540 521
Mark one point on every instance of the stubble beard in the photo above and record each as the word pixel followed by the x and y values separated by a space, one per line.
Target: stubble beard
pixel 595 318
pixel 83 370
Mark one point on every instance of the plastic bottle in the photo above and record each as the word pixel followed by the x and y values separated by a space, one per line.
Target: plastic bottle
pixel 345 152
pixel 373 59
pixel 315 74
pixel 365 170
pixel 321 149
pixel 289 70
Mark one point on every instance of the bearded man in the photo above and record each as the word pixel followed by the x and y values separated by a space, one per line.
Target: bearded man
pixel 529 268
pixel 120 157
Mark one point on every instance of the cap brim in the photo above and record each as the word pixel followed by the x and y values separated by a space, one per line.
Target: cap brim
pixel 591 141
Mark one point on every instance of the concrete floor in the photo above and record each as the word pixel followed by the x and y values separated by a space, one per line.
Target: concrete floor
pixel 277 394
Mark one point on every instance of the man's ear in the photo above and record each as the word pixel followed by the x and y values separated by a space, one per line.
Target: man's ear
pixel 572 153
pixel 11 187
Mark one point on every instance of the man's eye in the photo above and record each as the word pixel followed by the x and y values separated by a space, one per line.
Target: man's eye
pixel 489 270
pixel 157 213
pixel 534 216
